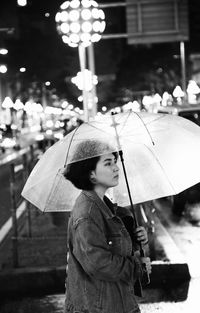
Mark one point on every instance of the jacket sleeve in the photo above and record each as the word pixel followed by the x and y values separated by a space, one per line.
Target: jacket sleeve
pixel 92 251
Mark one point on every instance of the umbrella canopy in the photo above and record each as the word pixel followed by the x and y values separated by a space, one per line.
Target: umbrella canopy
pixel 161 155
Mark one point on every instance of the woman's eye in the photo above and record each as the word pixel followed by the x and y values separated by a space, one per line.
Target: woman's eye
pixel 108 164
pixel 111 163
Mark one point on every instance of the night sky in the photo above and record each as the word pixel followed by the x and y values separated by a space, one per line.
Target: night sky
pixel 36 45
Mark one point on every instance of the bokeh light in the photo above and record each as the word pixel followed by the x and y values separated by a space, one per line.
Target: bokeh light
pixel 80 22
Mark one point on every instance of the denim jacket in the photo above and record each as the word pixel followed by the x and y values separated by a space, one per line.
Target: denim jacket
pixel 102 268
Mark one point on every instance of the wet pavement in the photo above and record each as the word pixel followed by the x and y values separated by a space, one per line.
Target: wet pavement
pixel 185 235
pixel 183 298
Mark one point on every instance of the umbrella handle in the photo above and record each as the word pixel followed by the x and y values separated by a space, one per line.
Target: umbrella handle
pixel 145 277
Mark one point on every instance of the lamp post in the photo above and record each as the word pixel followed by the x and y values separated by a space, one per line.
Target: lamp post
pixel 81 23
pixel 3 70
pixel 87 80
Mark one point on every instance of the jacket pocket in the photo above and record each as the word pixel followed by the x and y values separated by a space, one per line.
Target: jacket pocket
pixel 115 243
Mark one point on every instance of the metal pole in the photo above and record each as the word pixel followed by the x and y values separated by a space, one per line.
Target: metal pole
pixel 28 212
pixel 1 96
pixel 44 96
pixel 112 5
pixel 31 163
pixel 14 217
pixel 183 69
pixel 114 36
pixel 92 69
pixel 82 58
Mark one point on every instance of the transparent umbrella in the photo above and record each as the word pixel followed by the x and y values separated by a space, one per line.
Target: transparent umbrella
pixel 161 155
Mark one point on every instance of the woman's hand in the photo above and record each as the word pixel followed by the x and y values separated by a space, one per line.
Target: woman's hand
pixel 141 235
pixel 147 264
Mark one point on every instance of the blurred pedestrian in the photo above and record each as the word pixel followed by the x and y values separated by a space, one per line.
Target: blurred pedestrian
pixel 104 265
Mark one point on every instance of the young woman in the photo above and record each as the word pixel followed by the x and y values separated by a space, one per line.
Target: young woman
pixel 104 265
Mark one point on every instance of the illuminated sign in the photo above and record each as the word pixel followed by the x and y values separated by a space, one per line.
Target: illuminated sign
pixel 151 21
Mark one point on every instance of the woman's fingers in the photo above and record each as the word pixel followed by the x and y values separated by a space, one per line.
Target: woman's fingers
pixel 141 235
pixel 147 263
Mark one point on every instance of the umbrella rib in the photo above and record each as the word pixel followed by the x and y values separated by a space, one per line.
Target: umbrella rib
pixel 107 132
pixel 125 122
pixel 157 118
pixel 145 125
pixel 140 133
pixel 99 129
pixel 70 144
pixel 145 128
pixel 150 122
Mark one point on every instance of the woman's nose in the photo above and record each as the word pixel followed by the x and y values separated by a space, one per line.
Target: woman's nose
pixel 116 168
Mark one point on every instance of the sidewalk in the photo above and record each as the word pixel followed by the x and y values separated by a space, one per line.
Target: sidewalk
pixel 46 246
pixel 185 236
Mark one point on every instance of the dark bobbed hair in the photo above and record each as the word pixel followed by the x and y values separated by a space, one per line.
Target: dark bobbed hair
pixel 79 172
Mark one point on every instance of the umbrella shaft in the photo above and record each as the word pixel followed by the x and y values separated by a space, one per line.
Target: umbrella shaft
pixel 127 184
pixel 146 278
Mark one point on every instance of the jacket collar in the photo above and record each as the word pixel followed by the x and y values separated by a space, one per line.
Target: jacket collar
pixel 101 204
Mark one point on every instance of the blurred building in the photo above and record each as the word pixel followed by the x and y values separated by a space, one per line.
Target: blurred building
pixel 195 67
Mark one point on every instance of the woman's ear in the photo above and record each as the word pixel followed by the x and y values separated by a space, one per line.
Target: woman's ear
pixel 92 177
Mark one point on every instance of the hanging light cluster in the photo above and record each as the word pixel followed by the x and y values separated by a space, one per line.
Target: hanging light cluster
pixel 80 22
pixel 90 80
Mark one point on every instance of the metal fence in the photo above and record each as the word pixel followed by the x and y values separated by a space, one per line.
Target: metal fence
pixel 31 230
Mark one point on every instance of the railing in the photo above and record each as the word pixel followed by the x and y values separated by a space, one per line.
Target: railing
pixel 20 164
pixel 27 158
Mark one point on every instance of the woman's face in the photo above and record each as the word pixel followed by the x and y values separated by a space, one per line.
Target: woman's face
pixel 106 173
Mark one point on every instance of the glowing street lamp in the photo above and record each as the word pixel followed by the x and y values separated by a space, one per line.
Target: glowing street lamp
pixel 18 105
pixel 178 94
pixel 193 90
pixel 22 69
pixel 91 80
pixel 166 99
pixel 7 104
pixel 3 51
pixel 3 68
pixel 81 23
pixel 22 3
